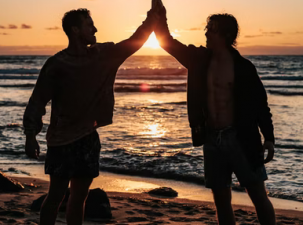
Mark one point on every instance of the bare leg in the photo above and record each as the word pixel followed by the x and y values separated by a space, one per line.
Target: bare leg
pixel 52 202
pixel 78 193
pixel 225 212
pixel 264 208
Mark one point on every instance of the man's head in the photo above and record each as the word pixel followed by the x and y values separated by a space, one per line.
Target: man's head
pixel 78 24
pixel 221 29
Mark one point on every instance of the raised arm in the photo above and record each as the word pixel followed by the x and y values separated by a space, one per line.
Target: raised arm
pixel 175 48
pixel 126 48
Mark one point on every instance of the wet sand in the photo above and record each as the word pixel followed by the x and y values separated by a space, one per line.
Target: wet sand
pixel 134 208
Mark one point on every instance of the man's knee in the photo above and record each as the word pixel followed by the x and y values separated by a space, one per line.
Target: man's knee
pixel 222 197
pixel 56 196
pixel 79 189
pixel 257 193
pixel 52 202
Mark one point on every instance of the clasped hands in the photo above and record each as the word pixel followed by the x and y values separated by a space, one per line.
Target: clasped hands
pixel 157 11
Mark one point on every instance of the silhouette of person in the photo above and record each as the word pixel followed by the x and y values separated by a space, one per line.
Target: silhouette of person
pixel 227 104
pixel 79 82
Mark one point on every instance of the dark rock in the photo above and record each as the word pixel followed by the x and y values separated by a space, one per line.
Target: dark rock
pixel 97 204
pixel 164 191
pixel 9 185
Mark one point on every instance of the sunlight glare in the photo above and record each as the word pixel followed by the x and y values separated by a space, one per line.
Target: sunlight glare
pixel 152 42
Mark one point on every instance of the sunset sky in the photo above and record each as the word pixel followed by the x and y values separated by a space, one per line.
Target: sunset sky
pixel 267 26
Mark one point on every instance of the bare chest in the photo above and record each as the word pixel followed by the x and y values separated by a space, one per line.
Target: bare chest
pixel 220 77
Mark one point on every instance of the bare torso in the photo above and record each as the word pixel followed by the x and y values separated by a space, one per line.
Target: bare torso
pixel 220 100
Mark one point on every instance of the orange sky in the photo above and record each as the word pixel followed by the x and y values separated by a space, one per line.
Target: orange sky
pixel 267 26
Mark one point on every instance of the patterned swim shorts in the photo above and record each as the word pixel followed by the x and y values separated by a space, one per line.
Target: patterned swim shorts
pixel 224 155
pixel 79 159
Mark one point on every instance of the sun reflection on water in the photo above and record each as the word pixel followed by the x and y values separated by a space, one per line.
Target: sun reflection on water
pixel 154 130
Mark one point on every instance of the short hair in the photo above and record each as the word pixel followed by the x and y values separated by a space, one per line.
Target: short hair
pixel 73 18
pixel 227 27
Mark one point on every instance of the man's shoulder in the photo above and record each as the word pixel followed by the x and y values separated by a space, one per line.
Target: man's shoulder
pixel 199 52
pixel 50 62
pixel 243 61
pixel 199 49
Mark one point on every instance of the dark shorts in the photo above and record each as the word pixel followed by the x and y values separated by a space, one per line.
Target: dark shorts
pixel 79 159
pixel 224 155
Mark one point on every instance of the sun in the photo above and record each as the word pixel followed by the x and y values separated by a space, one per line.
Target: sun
pixel 152 42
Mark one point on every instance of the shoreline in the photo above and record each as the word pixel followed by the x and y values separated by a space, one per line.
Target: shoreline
pixel 133 208
pixel 112 182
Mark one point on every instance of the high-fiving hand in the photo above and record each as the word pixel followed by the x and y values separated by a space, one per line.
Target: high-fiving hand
pixel 157 5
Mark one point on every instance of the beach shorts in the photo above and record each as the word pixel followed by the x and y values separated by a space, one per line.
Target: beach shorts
pixel 223 156
pixel 79 159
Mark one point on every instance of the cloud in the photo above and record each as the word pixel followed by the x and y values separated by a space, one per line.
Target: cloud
pixel 189 29
pixel 252 36
pixel 271 50
pixel 12 26
pixel 2 27
pixel 272 33
pixel 53 28
pixel 175 35
pixel 4 34
pixel 290 44
pixel 194 29
pixel 264 34
pixel 25 26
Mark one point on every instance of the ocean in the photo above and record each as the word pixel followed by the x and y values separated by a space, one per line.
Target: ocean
pixel 150 136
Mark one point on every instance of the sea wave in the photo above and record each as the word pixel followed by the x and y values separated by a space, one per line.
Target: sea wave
pixel 17 59
pixel 152 71
pixel 281 77
pixel 284 86
pixel 289 146
pixel 18 77
pixel 150 88
pixel 17 85
pixel 285 93
pixel 171 103
pixel 172 167
pixel 20 71
pixel 11 103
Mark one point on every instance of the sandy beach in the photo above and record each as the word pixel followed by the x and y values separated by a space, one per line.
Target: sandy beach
pixel 133 207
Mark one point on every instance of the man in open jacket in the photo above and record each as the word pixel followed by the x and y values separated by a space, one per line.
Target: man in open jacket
pixel 227 104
